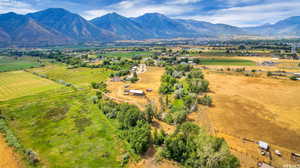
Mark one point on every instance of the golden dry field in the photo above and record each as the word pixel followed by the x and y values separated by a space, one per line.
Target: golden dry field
pixel 19 83
pixel 257 109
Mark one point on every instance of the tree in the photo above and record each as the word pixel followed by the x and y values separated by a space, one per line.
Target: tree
pixel 139 137
pixel 242 47
pixel 149 112
pixel 193 148
pixel 128 116
pixel 159 137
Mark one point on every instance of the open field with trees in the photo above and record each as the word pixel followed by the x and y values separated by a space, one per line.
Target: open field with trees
pixel 16 63
pixel 19 83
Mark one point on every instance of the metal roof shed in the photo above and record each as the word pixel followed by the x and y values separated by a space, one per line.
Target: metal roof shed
pixel 263 145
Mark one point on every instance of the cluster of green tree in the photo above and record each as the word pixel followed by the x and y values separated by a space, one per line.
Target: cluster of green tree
pixel 193 148
pixel 122 66
pixel 180 87
pixel 134 124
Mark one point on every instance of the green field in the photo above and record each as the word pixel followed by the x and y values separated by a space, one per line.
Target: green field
pixel 12 64
pixel 61 125
pixel 65 129
pixel 127 54
pixel 78 76
pixel 19 83
pixel 227 62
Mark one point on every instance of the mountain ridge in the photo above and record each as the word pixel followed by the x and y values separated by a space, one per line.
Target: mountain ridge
pixel 57 26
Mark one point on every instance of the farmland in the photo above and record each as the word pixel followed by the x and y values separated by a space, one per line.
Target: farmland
pixel 65 129
pixel 127 54
pixel 226 61
pixel 255 108
pixel 12 64
pixel 79 76
pixel 19 83
pixel 72 111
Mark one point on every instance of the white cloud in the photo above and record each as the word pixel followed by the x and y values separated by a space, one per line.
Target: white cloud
pixel 15 6
pixel 183 1
pixel 134 8
pixel 252 15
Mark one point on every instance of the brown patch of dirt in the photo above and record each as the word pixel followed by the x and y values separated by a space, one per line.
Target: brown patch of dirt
pixel 149 161
pixel 8 158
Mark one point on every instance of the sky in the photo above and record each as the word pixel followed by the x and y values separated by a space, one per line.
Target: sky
pixel 243 13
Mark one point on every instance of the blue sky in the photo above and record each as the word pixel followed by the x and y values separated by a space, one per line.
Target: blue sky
pixel 234 12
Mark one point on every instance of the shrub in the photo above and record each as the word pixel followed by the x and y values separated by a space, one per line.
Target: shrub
pixel 269 73
pixel 293 77
pixel 206 100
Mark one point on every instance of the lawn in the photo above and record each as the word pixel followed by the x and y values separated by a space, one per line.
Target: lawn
pixel 65 129
pixel 12 64
pixel 19 83
pixel 227 62
pixel 78 76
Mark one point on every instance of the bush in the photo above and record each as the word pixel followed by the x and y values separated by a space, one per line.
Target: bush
pixel 206 100
pixel 293 77
pixel 269 74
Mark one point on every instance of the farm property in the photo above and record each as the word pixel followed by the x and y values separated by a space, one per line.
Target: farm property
pixel 12 64
pixel 226 61
pixel 255 108
pixel 65 129
pixel 19 83
pixel 78 76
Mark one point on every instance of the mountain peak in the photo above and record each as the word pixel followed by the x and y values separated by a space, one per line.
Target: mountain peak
pixel 56 10
pixel 153 15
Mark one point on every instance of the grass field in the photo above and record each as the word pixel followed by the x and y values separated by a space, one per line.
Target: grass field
pixel 78 76
pixel 65 129
pixel 127 54
pixel 226 61
pixel 256 108
pixel 19 83
pixel 12 64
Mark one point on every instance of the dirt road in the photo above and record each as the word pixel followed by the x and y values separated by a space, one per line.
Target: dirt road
pixel 8 159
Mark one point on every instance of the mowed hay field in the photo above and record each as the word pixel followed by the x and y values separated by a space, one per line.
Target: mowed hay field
pixel 78 76
pixel 256 108
pixel 19 83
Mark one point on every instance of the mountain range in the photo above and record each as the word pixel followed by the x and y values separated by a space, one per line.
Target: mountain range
pixel 56 26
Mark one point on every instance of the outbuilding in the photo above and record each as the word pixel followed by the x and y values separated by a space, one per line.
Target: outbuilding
pixel 137 92
pixel 263 145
